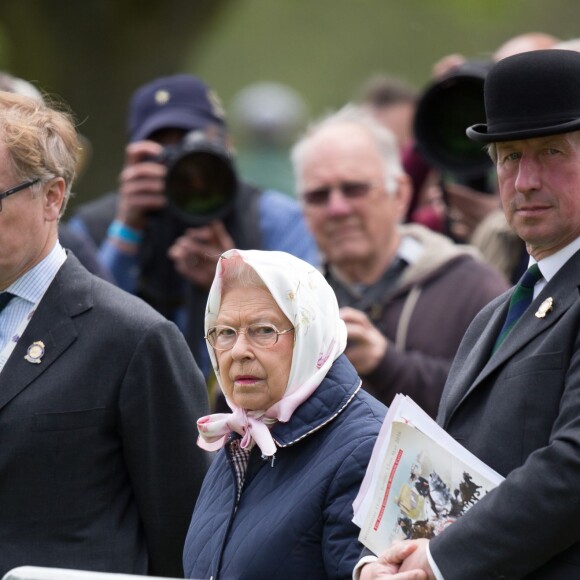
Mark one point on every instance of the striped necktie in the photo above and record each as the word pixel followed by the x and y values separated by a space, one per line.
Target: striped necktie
pixel 522 297
pixel 5 298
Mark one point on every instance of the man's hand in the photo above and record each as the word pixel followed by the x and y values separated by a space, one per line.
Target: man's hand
pixel 196 253
pixel 390 564
pixel 366 345
pixel 417 560
pixel 141 184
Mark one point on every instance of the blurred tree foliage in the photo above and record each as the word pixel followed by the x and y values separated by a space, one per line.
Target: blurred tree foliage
pixel 327 48
pixel 92 54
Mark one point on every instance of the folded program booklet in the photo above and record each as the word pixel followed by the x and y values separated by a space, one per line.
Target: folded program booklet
pixel 419 480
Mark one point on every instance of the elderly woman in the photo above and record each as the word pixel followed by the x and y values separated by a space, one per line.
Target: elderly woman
pixel 277 501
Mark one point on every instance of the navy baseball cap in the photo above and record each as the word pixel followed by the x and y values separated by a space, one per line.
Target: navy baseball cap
pixel 174 102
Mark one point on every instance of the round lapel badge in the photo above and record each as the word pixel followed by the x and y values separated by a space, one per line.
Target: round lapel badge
pixel 35 352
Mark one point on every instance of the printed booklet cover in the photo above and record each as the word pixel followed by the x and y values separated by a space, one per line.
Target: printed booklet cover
pixel 419 480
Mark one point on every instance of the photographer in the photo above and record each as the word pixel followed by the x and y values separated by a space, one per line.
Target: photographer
pixel 456 172
pixel 154 245
pixel 455 186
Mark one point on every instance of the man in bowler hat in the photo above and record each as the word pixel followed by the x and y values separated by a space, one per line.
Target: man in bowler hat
pixel 513 397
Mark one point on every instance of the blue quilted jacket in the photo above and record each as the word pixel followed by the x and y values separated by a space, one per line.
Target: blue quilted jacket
pixel 293 519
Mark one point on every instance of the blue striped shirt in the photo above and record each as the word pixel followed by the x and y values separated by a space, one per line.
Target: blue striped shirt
pixel 28 290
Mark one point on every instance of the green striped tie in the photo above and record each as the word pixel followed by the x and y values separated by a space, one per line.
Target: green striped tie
pixel 522 297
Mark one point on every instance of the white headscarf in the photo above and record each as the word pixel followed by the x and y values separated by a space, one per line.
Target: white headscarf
pixel 309 302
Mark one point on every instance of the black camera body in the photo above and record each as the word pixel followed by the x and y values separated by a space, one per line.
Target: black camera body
pixel 444 111
pixel 201 181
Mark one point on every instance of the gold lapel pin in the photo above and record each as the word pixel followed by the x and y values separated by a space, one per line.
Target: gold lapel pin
pixel 546 306
pixel 35 352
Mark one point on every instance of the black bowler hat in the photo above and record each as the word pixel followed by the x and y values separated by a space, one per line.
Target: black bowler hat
pixel 531 94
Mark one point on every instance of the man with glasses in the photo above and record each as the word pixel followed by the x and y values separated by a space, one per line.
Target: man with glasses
pixel 408 294
pixel 98 392
pixel 81 245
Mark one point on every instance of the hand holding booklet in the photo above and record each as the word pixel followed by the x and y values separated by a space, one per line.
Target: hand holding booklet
pixel 419 480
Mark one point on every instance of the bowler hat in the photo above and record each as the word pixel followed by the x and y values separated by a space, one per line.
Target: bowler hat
pixel 531 94
pixel 175 102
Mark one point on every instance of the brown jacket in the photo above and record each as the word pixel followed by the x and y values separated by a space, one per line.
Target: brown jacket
pixel 425 316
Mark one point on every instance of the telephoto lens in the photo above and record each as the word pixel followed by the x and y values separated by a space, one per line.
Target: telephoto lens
pixel 201 182
pixel 444 111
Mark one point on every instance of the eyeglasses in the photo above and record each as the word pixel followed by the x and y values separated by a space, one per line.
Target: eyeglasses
pixel 17 188
pixel 259 335
pixel 349 189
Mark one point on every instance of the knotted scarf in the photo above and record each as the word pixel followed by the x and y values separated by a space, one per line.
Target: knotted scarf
pixel 308 301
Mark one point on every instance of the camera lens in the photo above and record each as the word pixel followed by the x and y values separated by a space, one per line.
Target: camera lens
pixel 201 185
pixel 444 112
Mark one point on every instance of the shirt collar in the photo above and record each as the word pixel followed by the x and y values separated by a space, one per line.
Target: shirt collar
pixel 32 285
pixel 549 266
pixel 410 249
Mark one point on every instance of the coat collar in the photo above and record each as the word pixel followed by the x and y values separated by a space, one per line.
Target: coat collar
pixel 331 397
pixel 69 294
pixel 563 289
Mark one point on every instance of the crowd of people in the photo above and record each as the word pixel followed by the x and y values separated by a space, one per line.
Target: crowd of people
pixel 194 368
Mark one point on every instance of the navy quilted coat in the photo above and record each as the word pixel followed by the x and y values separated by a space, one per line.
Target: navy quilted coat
pixel 293 520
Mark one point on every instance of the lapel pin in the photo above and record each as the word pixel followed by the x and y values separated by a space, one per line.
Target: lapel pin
pixel 546 306
pixel 35 352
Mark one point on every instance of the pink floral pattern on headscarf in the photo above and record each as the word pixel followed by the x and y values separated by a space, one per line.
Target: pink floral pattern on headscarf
pixel 309 302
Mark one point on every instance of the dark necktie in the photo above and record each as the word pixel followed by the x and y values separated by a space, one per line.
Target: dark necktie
pixel 521 298
pixel 5 298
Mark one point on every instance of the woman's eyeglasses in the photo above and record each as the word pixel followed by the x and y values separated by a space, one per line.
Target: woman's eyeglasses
pixel 17 188
pixel 349 189
pixel 259 335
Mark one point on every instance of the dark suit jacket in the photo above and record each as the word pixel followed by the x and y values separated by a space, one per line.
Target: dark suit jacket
pixel 519 411
pixel 99 468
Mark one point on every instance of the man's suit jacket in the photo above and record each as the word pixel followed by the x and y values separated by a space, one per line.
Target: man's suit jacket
pixel 99 468
pixel 519 411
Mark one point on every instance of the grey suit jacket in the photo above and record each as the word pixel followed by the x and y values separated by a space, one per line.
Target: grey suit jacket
pixel 99 468
pixel 519 411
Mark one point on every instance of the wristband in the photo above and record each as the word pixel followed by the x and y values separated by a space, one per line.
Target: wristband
pixel 129 235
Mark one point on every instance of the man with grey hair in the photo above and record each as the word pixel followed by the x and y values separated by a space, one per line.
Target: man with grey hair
pixel 99 393
pixel 408 294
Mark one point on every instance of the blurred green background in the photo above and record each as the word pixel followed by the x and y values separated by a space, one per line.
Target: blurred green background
pixel 93 53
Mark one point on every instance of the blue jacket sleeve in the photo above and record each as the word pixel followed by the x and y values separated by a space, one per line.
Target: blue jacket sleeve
pixel 341 553
pixel 284 229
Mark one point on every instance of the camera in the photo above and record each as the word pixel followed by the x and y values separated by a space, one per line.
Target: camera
pixel 444 111
pixel 201 181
